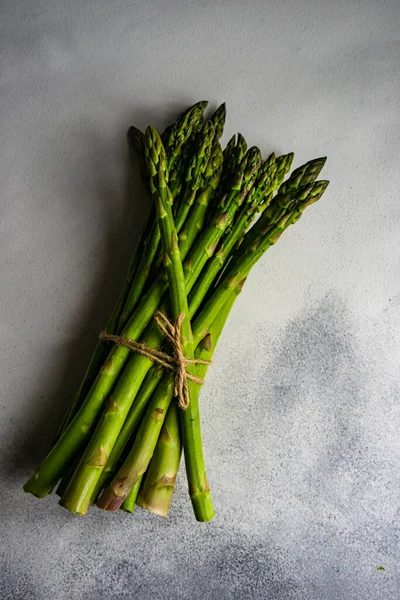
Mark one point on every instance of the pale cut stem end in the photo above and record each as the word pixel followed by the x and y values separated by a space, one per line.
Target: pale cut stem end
pixel 32 486
pixel 74 507
pixel 202 506
pixel 158 508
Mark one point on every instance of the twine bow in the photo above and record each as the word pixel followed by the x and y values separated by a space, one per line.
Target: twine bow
pixel 177 362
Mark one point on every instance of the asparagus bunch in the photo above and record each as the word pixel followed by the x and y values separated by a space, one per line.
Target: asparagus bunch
pixel 214 214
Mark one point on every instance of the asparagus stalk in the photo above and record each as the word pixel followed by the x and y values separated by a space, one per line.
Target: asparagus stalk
pixel 195 172
pixel 303 175
pixel 195 221
pixel 218 120
pixel 130 501
pixel 283 164
pixel 233 155
pixel 178 134
pixel 159 481
pixel 198 485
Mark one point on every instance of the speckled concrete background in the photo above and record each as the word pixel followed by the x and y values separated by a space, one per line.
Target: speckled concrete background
pixel 301 411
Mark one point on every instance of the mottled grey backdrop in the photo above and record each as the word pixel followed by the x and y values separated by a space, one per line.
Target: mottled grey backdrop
pixel 301 411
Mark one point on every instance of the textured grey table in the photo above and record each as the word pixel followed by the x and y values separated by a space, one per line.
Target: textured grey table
pixel 301 411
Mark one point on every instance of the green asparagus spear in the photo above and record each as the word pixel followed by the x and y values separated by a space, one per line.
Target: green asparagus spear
pixel 159 480
pixel 195 172
pixel 195 221
pixel 283 164
pixel 303 175
pixel 218 120
pixel 233 155
pixel 130 501
pixel 181 130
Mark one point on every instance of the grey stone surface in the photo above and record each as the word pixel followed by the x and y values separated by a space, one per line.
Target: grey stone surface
pixel 301 412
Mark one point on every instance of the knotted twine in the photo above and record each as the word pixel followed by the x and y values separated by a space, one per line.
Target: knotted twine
pixel 177 362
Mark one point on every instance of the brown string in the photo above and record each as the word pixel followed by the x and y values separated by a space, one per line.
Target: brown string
pixel 177 362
